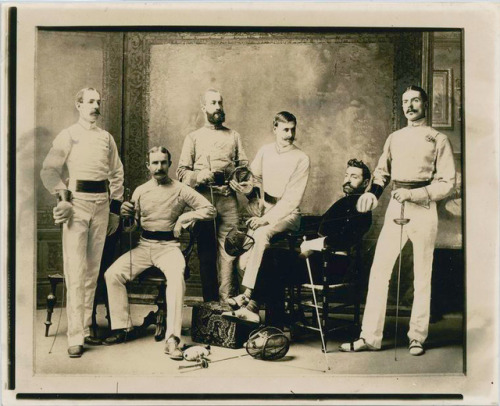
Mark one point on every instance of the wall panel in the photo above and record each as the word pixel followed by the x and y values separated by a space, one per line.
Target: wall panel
pixel 67 61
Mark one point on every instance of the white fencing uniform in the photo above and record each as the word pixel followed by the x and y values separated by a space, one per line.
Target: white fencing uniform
pixel 283 174
pixel 412 156
pixel 158 208
pixel 90 154
pixel 216 149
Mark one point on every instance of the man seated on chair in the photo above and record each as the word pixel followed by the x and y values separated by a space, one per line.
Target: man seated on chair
pixel 280 171
pixel 158 208
pixel 341 227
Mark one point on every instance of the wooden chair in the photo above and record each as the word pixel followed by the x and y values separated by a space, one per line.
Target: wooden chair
pixel 338 301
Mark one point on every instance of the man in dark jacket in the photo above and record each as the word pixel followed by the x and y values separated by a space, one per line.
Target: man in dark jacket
pixel 341 227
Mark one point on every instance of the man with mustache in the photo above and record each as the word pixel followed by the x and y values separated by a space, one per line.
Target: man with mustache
pixel 280 172
pixel 342 225
pixel 419 160
pixel 85 208
pixel 206 155
pixel 158 208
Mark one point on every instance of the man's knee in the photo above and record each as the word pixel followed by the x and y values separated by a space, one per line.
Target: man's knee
pixel 174 274
pixel 262 235
pixel 114 275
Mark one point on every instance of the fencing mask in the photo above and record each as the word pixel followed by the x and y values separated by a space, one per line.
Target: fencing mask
pixel 268 343
pixel 237 242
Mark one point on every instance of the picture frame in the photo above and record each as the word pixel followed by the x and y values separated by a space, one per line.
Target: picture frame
pixel 479 385
pixel 442 99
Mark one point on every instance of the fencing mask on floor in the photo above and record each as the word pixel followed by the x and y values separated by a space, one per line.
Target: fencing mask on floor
pixel 268 343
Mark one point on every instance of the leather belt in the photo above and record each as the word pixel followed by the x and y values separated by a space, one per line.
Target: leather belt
pixel 410 185
pixel 270 199
pixel 158 235
pixel 91 186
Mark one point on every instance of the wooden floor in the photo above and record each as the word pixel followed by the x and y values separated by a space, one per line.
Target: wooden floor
pixel 144 356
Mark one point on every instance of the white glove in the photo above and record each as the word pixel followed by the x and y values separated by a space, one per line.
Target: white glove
pixel 196 352
pixel 114 220
pixel 366 202
pixel 62 212
pixel 318 244
pixel 204 176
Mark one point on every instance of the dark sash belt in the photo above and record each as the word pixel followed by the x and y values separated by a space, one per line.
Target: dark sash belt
pixel 410 185
pixel 270 199
pixel 91 186
pixel 158 235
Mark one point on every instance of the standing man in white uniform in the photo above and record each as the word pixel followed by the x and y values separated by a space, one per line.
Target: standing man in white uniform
pixel 85 208
pixel 280 172
pixel 158 206
pixel 207 154
pixel 420 162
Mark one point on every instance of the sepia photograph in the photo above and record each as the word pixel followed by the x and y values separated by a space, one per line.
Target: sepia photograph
pixel 281 202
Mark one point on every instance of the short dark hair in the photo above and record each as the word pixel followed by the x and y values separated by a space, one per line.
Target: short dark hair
pixel 284 117
pixel 356 163
pixel 422 92
pixel 159 149
pixel 79 95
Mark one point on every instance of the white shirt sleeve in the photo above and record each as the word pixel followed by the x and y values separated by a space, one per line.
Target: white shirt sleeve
pixel 51 173
pixel 382 173
pixel 292 196
pixel 185 170
pixel 115 172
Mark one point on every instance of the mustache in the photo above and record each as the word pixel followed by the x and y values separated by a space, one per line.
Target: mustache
pixel 160 173
pixel 410 110
pixel 96 112
pixel 347 184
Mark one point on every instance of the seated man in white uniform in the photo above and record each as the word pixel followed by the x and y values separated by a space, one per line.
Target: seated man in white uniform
pixel 158 207
pixel 280 171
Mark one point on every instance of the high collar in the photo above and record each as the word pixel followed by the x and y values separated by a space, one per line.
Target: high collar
pixel 421 122
pixel 281 150
pixel 213 126
pixel 86 124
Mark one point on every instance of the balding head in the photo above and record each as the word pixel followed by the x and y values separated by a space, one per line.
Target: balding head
pixel 209 93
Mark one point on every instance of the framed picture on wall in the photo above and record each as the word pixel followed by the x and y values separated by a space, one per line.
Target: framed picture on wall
pixel 442 99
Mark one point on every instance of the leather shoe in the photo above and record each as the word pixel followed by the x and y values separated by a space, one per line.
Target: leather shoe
pixel 118 337
pixel 416 348
pixel 89 340
pixel 172 348
pixel 243 315
pixel 75 351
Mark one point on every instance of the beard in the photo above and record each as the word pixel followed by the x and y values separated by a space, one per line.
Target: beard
pixel 349 190
pixel 216 118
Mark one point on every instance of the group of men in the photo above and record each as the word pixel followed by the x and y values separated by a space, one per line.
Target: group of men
pixel 418 159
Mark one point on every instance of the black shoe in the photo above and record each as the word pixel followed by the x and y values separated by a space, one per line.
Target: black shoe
pixel 75 351
pixel 89 340
pixel 118 337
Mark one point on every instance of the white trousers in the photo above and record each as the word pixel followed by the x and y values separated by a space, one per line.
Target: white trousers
pixel 165 255
pixel 83 241
pixel 422 231
pixel 250 261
